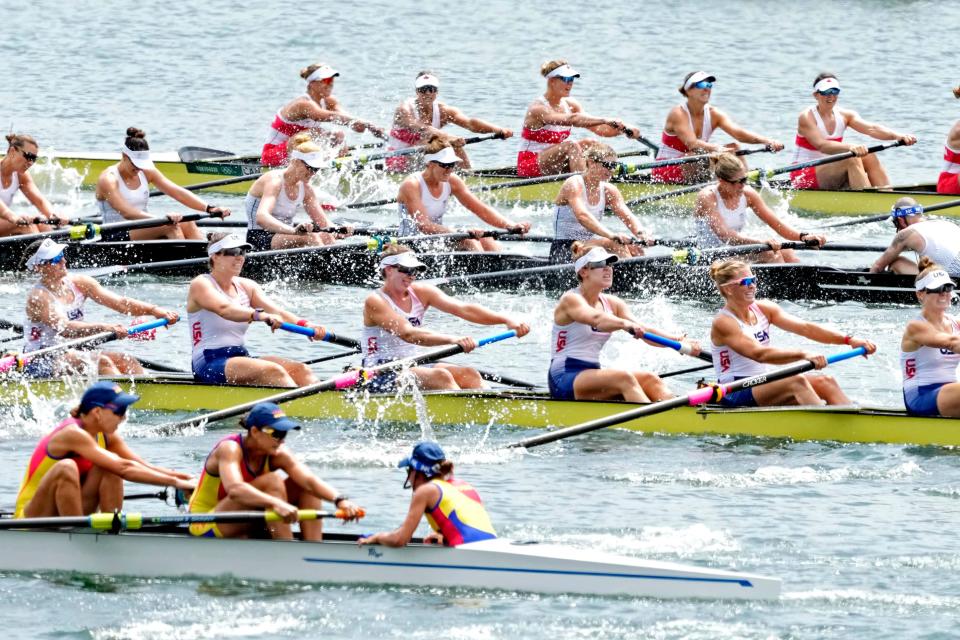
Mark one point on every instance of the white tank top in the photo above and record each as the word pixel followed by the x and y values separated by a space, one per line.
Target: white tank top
pixel 735 219
pixel 433 207
pixel 577 340
pixel 805 151
pixel 7 193
pixel 930 365
pixel 136 198
pixel 212 331
pixel 730 365
pixel 565 223
pixel 379 345
pixel 284 208
pixel 536 140
pixel 672 147
pixel 38 335
pixel 941 243
pixel 394 142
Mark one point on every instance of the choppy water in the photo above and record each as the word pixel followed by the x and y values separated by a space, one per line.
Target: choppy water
pixel 863 536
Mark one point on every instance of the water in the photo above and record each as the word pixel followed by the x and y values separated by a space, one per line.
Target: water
pixel 862 535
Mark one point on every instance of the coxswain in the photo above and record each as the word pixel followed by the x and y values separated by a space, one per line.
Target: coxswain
pixel 15 177
pixel 938 240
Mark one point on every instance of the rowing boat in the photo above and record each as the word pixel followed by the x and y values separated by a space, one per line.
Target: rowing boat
pixel 529 409
pixel 841 202
pixel 490 564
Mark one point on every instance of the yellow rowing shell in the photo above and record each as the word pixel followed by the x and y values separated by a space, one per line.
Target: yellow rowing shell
pixel 535 410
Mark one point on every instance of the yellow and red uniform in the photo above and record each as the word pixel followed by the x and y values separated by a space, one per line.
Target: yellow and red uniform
pixel 459 514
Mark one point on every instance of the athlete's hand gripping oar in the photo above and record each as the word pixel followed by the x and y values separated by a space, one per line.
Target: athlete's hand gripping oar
pixel 700 396
pixel 758 175
pixel 20 360
pixel 886 216
pixel 120 521
pixel 685 349
pixel 90 231
pixel 343 381
pixel 328 336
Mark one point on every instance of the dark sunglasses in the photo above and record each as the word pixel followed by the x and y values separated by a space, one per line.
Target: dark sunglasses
pixel 427 90
pixel 312 170
pixel 612 165
pixel 29 157
pixel 944 288
pixel 566 79
pixel 273 433
pixel 743 282
pixel 446 165
pixel 703 84
pixel 409 271
pixel 599 265
pixel 236 251
pixel 742 180
pixel 830 92
pixel 57 259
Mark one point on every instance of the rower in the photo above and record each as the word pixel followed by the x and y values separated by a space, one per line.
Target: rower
pixel 275 197
pixel 422 200
pixel 422 116
pixel 545 148
pixel 820 130
pixel 220 307
pixel 938 240
pixel 123 191
pixel 949 181
pixel 55 312
pixel 310 112
pixel 14 176
pixel 393 325
pixel 689 127
pixel 79 467
pixel 453 508
pixel 580 206
pixel 721 214
pixel 740 336
pixel 583 321
pixel 256 470
pixel 930 347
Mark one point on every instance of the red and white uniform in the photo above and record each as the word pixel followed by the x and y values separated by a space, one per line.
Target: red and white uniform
pixel 533 141
pixel 212 331
pixel 807 178
pixel 380 345
pixel 930 365
pixel 402 138
pixel 274 152
pixel 577 340
pixel 730 365
pixel 671 147
pixel 949 181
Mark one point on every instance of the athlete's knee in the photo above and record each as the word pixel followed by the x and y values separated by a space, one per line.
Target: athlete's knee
pixel 274 484
pixel 65 470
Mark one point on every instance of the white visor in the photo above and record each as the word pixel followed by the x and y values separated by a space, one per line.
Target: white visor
pixel 426 80
pixel 597 254
pixel 140 159
pixel 445 156
pixel 231 241
pixel 406 259
pixel 47 251
pixel 322 72
pixel 564 71
pixel 697 77
pixel 934 280
pixel 827 83
pixel 315 159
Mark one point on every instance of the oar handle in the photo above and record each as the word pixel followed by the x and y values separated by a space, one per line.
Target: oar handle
pixel 312 514
pixel 757 174
pixel 147 326
pixel 295 328
pixel 685 349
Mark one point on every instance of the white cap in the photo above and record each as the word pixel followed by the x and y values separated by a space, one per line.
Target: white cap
pixel 426 80
pixel 140 159
pixel 564 71
pixel 323 72
pixel 827 83
pixel 445 155
pixel 47 251
pixel 231 241
pixel 315 159
pixel 597 254
pixel 934 280
pixel 698 76
pixel 406 259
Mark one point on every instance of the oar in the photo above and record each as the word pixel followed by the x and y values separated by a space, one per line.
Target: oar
pixel 212 184
pixel 343 381
pixel 370 157
pixel 678 346
pixel 19 360
pixel 886 216
pixel 120 521
pixel 329 336
pixel 89 231
pixel 700 396
pixel 672 162
pixel 680 372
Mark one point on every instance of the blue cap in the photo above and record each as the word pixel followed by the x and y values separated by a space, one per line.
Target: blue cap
pixel 268 414
pixel 426 458
pixel 108 395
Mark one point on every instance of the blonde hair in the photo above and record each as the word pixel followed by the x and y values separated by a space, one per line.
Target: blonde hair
pixel 925 265
pixel 308 146
pixel 17 140
pixel 727 165
pixel 298 139
pixel 394 249
pixel 438 142
pixel 306 71
pixel 722 271
pixel 597 151
pixel 549 66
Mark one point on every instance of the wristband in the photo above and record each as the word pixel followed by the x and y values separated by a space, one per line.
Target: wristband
pixel 209 208
pixel 340 498
pixel 847 339
pixel 802 235
pixel 302 322
pixel 256 315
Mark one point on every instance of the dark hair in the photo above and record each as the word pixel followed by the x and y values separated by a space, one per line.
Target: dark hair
pixel 956 92
pixel 683 84
pixel 425 72
pixel 824 74
pixel 136 140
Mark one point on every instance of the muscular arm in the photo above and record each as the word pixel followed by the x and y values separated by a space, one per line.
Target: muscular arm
pixel 121 304
pixel 807 127
pixel 29 189
pixel 409 197
pixel 301 475
pixel 574 308
pixel 905 240
pixel 616 202
pixel 872 129
pixel 432 296
pixel 812 331
pixel 457 117
pixel 485 212
pixel 423 497
pixel 725 332
pixel 377 313
pixel 229 460
pixel 706 208
pixel 678 123
pixel 755 202
pixel 76 440
pixel 724 122
pixel 175 191
pixel 203 295
pixel 920 333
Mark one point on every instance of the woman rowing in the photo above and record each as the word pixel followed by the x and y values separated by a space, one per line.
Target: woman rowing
pixel 545 148
pixel 422 116
pixel 55 313
pixel 583 321
pixel 220 308
pixel 123 191
pixel 580 206
pixel 275 197
pixel 930 347
pixel 937 240
pixel 393 324
pixel 311 112
pixel 949 181
pixel 689 127
pixel 453 508
pixel 423 197
pixel 256 470
pixel 820 130
pixel 79 467
pixel 15 177
pixel 720 214
pixel 740 336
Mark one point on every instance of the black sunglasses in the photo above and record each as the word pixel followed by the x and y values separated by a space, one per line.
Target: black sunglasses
pixel 409 271
pixel 312 170
pixel 446 165
pixel 612 165
pixel 274 433
pixel 236 251
pixel 29 157
pixel 742 180
pixel 941 289
pixel 427 89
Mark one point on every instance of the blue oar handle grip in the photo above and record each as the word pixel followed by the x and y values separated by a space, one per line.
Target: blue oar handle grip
pixel 667 342
pixel 295 328
pixel 496 338
pixel 146 326
pixel 846 355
